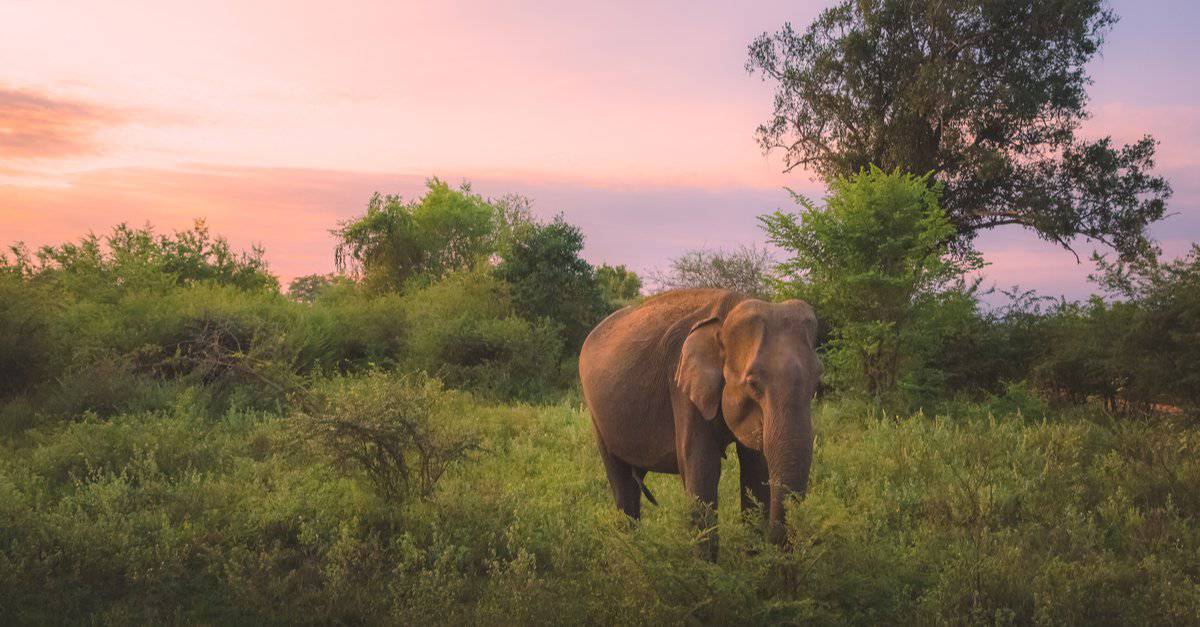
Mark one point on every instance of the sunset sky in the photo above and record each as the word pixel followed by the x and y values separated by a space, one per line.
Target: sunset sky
pixel 274 120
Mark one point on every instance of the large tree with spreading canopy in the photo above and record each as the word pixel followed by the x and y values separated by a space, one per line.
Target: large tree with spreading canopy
pixel 988 95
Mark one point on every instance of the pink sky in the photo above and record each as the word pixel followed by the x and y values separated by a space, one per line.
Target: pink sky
pixel 275 120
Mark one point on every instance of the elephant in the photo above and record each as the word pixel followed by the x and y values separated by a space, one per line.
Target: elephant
pixel 672 381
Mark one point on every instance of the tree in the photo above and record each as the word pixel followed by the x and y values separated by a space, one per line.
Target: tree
pixel 748 270
pixel 308 288
pixel 550 280
pixel 867 260
pixel 986 94
pixel 618 284
pixel 394 241
pixel 1160 345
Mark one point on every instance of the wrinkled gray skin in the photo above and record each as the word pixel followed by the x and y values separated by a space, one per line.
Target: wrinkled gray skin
pixel 671 382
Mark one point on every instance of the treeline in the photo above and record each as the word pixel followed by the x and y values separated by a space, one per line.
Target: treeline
pixel 475 292
pixel 483 296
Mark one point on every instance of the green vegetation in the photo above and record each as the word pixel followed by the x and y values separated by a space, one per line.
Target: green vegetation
pixel 180 442
pixel 618 284
pixel 989 95
pixel 870 259
pixel 180 515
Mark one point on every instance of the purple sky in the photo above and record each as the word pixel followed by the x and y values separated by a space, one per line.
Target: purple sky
pixel 635 120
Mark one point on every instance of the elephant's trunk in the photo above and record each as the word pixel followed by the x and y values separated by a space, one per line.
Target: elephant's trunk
pixel 788 447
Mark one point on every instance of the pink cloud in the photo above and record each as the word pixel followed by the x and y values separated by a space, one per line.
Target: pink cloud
pixel 37 126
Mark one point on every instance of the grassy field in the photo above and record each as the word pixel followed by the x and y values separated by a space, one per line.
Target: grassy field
pixel 979 516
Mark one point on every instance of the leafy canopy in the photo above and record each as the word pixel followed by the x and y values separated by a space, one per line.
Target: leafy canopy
pixel 549 280
pixel 986 94
pixel 618 284
pixel 445 230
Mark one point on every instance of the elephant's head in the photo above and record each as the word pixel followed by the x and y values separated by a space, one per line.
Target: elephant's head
pixel 757 368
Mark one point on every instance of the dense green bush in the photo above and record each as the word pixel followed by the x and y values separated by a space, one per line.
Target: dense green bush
pixel 29 350
pixel 395 241
pixel 619 285
pixel 869 260
pixel 349 328
pixel 548 280
pixel 465 329
pixel 1161 342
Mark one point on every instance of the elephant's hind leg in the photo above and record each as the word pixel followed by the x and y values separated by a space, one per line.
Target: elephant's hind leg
pixel 625 486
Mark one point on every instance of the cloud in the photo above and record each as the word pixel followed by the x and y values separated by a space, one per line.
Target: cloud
pixel 38 126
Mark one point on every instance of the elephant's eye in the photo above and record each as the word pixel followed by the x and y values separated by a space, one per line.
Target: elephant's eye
pixel 754 386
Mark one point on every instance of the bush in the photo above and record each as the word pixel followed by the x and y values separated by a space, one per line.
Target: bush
pixel 29 350
pixel 392 427
pixel 1161 340
pixel 465 331
pixel 548 280
pixel 350 328
pixel 868 261
pixel 394 242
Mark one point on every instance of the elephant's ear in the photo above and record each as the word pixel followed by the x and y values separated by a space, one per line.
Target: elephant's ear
pixel 700 374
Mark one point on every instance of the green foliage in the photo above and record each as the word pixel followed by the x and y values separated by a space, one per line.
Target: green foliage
pixel 175 516
pixel 394 241
pixel 308 288
pixel 619 285
pixel 548 280
pixel 869 261
pixel 1161 341
pixel 1076 360
pixel 28 346
pixel 466 330
pixel 409 247
pixel 748 270
pixel 391 427
pixel 987 94
pixel 201 450
pixel 350 327
pixel 133 259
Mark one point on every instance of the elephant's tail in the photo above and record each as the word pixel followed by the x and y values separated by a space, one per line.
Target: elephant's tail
pixel 639 476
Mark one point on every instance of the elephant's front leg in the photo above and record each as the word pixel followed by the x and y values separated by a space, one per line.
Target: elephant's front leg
pixel 701 469
pixel 754 479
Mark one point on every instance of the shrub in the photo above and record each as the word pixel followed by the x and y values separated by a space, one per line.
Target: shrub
pixel 129 259
pixel 444 231
pixel 465 331
pixel 867 261
pixel 1161 340
pixel 29 351
pixel 619 285
pixel 392 427
pixel 350 328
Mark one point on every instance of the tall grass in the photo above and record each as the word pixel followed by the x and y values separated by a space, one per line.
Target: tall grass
pixel 178 515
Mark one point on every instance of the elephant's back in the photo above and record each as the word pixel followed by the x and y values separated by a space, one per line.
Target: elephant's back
pixel 646 331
